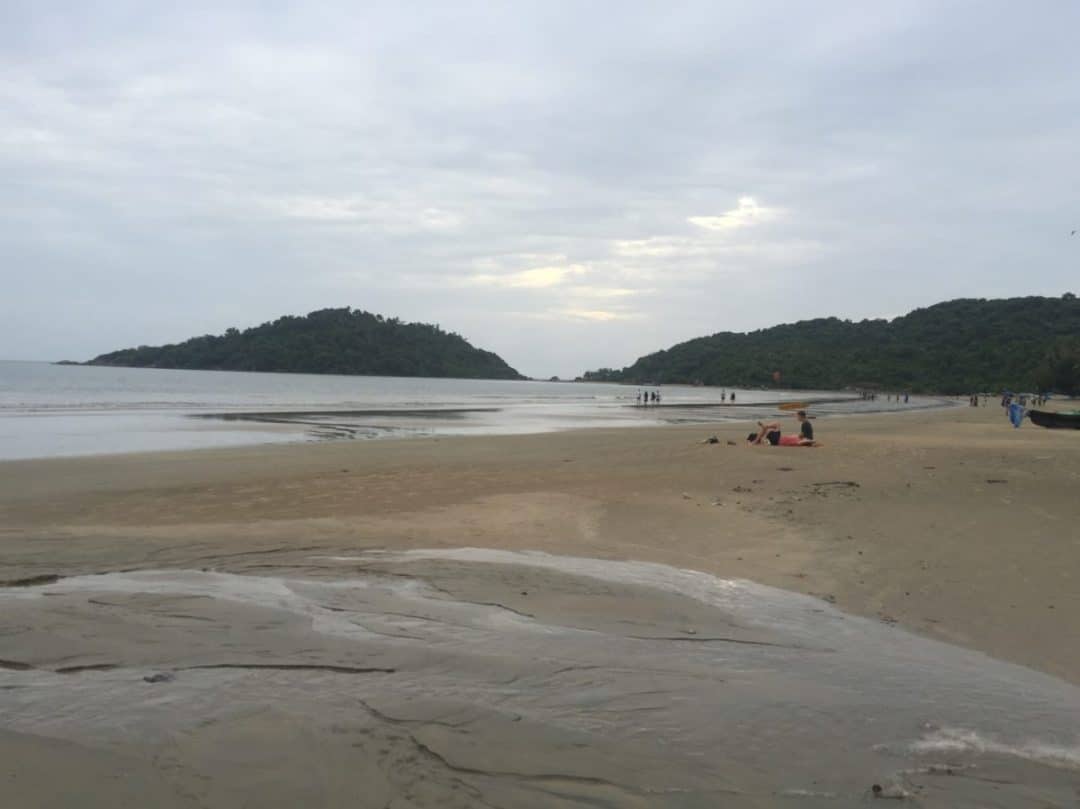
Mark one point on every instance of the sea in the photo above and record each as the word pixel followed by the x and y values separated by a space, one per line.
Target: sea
pixel 50 410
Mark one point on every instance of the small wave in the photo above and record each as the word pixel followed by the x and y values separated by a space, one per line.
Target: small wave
pixel 960 740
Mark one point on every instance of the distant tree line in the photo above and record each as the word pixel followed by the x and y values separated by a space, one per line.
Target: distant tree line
pixel 329 341
pixel 959 346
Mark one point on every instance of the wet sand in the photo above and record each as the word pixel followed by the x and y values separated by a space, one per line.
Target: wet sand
pixel 949 524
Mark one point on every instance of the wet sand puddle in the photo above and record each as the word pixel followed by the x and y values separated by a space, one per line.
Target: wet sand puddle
pixel 486 678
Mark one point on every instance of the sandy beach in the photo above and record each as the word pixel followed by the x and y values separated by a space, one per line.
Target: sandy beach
pixel 948 523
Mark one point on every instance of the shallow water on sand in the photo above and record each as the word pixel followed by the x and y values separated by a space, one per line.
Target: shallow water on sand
pixel 58 410
pixel 489 678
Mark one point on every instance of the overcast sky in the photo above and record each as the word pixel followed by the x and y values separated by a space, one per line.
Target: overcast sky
pixel 569 185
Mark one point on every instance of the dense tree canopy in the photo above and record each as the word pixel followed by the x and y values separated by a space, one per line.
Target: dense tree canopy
pixel 954 347
pixel 1060 368
pixel 330 341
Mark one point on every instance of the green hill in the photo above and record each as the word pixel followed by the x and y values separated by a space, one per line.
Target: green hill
pixel 954 347
pixel 330 341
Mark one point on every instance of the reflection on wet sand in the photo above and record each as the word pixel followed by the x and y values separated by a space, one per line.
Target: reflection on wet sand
pixel 490 678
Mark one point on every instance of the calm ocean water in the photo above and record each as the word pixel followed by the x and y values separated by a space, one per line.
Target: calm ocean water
pixel 55 410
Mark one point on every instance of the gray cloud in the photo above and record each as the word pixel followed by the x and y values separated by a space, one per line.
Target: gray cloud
pixel 570 185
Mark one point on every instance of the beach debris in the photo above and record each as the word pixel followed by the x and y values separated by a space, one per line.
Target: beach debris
pixel 32 581
pixel 718 502
pixel 996 480
pixel 687 496
pixel 731 444
pixel 785 469
pixel 160 677
pixel 893 791
pixel 742 489
pixel 712 439
pixel 849 484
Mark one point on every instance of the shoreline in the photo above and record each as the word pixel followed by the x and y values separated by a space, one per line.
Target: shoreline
pixel 947 522
pixel 304 425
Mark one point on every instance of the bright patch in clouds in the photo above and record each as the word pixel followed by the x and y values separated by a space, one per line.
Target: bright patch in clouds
pixel 748 212
pixel 535 278
pixel 595 314
pixel 661 247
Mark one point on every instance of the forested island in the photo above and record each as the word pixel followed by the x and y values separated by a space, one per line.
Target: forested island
pixel 958 346
pixel 329 341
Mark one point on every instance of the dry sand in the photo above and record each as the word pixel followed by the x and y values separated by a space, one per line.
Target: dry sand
pixel 948 523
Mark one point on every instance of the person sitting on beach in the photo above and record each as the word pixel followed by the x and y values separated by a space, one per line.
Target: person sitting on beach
pixel 769 434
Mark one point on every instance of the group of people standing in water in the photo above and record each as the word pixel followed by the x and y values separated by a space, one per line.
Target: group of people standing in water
pixel 647 397
pixel 871 396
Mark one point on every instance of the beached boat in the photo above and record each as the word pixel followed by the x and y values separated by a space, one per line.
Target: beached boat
pixel 1046 418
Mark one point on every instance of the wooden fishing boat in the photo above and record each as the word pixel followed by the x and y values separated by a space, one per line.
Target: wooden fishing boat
pixel 1056 421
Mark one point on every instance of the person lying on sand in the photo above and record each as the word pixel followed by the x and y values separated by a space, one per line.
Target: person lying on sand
pixel 769 434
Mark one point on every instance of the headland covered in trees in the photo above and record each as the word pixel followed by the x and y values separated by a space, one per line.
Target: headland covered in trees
pixel 958 346
pixel 328 341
